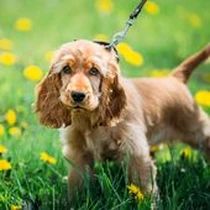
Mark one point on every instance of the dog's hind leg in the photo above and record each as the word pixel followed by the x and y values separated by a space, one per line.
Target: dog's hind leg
pixel 199 134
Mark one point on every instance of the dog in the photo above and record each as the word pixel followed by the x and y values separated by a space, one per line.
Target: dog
pixel 103 116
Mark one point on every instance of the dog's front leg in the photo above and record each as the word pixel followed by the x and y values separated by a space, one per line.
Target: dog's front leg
pixel 142 170
pixel 80 158
pixel 82 164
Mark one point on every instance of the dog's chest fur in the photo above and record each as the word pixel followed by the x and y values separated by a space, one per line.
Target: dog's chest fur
pixel 104 143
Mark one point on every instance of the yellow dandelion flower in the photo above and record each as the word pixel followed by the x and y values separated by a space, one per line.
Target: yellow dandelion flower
pixel 202 97
pixel 101 37
pixel 194 20
pixel 2 130
pixel 23 24
pixel 15 207
pixel 11 117
pixel 152 8
pixel 33 73
pixel 157 147
pixel 187 152
pixel 104 6
pixel 45 157
pixel 130 56
pixel 135 190
pixel 5 165
pixel 7 59
pixel 15 131
pixel 3 149
pixel 154 148
pixel 139 196
pixel 134 58
pixel 123 48
pixel 49 55
pixel 159 73
pixel 6 44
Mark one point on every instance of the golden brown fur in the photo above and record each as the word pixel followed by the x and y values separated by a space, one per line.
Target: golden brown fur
pixel 119 117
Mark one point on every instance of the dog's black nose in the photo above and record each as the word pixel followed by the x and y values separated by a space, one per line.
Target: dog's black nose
pixel 77 96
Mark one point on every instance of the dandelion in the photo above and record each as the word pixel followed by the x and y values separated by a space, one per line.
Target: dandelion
pixel 152 8
pixel 15 207
pixel 5 165
pixel 7 59
pixel 23 24
pixel 33 73
pixel 186 152
pixel 3 149
pixel 135 190
pixel 123 48
pixel 49 55
pixel 154 148
pixel 101 37
pixel 130 56
pixel 2 130
pixel 45 157
pixel 104 6
pixel 11 117
pixel 194 20
pixel 6 44
pixel 134 58
pixel 159 73
pixel 202 97
pixel 15 131
pixel 157 147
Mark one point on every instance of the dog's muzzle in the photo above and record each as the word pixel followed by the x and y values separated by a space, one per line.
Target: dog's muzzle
pixel 78 97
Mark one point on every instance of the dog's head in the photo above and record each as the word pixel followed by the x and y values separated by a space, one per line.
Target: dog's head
pixel 84 77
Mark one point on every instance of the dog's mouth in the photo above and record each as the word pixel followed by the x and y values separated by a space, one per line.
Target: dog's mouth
pixel 78 108
pixel 72 106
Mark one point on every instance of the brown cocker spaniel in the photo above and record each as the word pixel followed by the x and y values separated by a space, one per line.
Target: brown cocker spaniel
pixel 102 115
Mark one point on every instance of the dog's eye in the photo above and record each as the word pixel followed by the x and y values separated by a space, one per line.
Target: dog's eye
pixel 66 70
pixel 94 71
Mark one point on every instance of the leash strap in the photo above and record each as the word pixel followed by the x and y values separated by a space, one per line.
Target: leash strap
pixel 118 37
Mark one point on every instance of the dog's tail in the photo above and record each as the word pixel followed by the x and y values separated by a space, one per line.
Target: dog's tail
pixel 184 70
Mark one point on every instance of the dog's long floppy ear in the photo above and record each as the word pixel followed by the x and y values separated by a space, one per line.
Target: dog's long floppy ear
pixel 50 110
pixel 113 102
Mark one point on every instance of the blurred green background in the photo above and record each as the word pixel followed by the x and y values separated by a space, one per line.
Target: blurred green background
pixel 165 33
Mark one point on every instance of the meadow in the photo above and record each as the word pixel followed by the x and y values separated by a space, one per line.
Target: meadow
pixel 32 168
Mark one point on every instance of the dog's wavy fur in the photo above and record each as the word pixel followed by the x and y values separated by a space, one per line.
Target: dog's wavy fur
pixel 128 115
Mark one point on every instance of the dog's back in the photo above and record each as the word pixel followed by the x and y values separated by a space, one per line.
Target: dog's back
pixel 169 108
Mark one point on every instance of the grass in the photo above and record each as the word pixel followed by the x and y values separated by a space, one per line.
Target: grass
pixel 163 39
